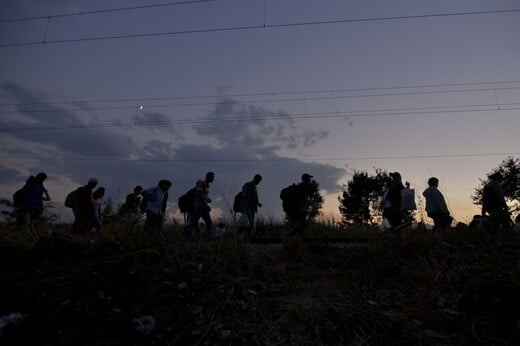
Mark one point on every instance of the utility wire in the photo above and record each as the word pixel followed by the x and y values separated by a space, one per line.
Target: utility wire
pixel 142 7
pixel 236 102
pixel 354 158
pixel 274 94
pixel 359 111
pixel 278 116
pixel 254 27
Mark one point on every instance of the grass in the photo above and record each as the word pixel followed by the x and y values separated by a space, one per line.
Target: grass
pixel 422 288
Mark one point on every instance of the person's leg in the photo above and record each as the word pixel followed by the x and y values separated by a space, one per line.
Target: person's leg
pixel 74 228
pixel 250 213
pixel 193 221
pixel 504 221
pixel 33 220
pixel 298 225
pixel 96 223
pixel 445 221
pixel 395 218
pixel 208 222
pixel 83 222
pixel 151 221
pixel 436 223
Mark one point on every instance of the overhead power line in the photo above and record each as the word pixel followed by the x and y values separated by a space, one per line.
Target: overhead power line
pixel 424 111
pixel 328 92
pixel 119 9
pixel 223 102
pixel 255 27
pixel 354 158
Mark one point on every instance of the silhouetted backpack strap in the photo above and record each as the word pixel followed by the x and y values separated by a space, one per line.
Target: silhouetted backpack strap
pixel 186 201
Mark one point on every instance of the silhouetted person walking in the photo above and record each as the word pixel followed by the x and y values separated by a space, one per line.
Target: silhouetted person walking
pixel 393 201
pixel 250 196
pixel 298 205
pixel 130 213
pixel 33 204
pixel 436 207
pixel 494 202
pixel 157 198
pixel 95 211
pixel 200 207
pixel 82 206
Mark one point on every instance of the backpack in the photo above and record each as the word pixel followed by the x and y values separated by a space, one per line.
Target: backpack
pixel 408 199
pixel 239 203
pixel 186 201
pixel 70 200
pixel 19 198
pixel 289 197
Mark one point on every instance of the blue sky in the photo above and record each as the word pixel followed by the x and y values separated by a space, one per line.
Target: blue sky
pixel 426 96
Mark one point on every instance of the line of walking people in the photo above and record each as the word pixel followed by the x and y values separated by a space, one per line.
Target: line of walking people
pixel 153 201
pixel 86 202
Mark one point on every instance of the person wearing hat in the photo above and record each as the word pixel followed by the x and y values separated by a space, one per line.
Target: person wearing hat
pixel 494 202
pixel 82 206
pixel 297 216
pixel 156 199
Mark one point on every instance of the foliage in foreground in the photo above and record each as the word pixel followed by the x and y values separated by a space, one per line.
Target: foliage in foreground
pixel 421 288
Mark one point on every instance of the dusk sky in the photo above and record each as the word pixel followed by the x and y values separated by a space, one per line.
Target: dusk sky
pixel 277 87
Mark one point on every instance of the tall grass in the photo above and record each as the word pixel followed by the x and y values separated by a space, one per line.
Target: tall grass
pixel 419 287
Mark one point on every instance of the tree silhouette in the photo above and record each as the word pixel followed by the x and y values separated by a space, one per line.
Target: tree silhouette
pixel 360 202
pixel 314 201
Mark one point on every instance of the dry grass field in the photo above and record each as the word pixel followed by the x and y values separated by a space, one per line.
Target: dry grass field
pixel 333 287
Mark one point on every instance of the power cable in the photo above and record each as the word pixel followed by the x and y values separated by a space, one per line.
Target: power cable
pixel 255 27
pixel 276 93
pixel 301 99
pixel 280 116
pixel 81 13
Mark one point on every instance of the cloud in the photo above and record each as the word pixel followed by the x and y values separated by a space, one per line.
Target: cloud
pixel 235 124
pixel 235 141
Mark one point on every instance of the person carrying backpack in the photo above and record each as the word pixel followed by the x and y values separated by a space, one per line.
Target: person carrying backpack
pixel 494 202
pixel 296 205
pixel 81 206
pixel 250 199
pixel 156 200
pixel 32 206
pixel 200 207
pixel 393 200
